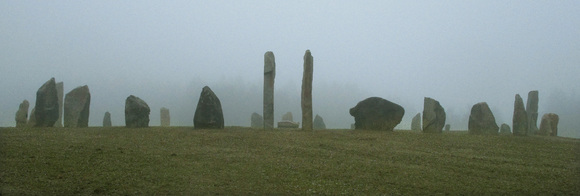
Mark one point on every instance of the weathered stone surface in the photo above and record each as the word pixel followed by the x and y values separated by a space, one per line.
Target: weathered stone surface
pixel 505 129
pixel 433 116
pixel 481 120
pixel 288 124
pixel 46 106
pixel 288 117
pixel 318 123
pixel 416 122
pixel 269 76
pixel 532 112
pixel 376 113
pixel 136 112
pixel 208 114
pixel 307 92
pixel 22 114
pixel 520 118
pixel 60 95
pixel 76 107
pixel 549 125
pixel 257 120
pixel 447 127
pixel 32 118
pixel 165 117
pixel 107 120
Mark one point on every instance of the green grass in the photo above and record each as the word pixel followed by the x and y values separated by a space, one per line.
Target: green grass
pixel 183 161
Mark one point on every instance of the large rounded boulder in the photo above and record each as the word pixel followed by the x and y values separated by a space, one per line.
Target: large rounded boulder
pixel 376 113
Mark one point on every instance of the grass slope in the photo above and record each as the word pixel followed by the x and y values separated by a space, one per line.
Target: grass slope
pixel 180 160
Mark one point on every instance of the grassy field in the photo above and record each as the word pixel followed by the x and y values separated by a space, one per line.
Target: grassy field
pixel 183 161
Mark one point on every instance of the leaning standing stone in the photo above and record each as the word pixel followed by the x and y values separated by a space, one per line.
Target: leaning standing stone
pixel 433 116
pixel 269 75
pixel 416 122
pixel 165 118
pixel 549 125
pixel 376 113
pixel 481 120
pixel 505 129
pixel 307 92
pixel 257 121
pixel 520 118
pixel 107 120
pixel 136 112
pixel 318 123
pixel 46 106
pixel 60 94
pixel 76 107
pixel 208 114
pixel 22 114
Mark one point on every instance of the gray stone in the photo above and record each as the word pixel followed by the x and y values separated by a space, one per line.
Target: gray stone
pixel 22 114
pixel 107 120
pixel 46 106
pixel 532 111
pixel 307 92
pixel 318 123
pixel 549 125
pixel 76 107
pixel 269 76
pixel 60 94
pixel 257 120
pixel 136 112
pixel 288 121
pixel 208 114
pixel 520 118
pixel 433 116
pixel 447 127
pixel 376 113
pixel 504 129
pixel 288 117
pixel 165 117
pixel 416 122
pixel 481 120
pixel 32 118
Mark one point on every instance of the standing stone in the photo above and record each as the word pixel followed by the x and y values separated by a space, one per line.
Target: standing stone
pixel 447 127
pixel 46 106
pixel 32 118
pixel 257 121
pixel 22 114
pixel 165 118
pixel 307 92
pixel 60 94
pixel 520 118
pixel 376 113
pixel 549 125
pixel 136 112
pixel 318 123
pixel 416 122
pixel 504 129
pixel 107 120
pixel 481 120
pixel 288 117
pixel 433 116
pixel 288 121
pixel 269 75
pixel 208 114
pixel 532 111
pixel 76 107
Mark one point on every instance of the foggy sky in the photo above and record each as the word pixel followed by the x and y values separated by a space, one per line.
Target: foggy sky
pixel 457 52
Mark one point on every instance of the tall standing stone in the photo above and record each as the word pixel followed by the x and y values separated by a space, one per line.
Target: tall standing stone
pixel 481 120
pixel 46 106
pixel 107 120
pixel 504 129
pixel 208 114
pixel 76 107
pixel 60 94
pixel 433 116
pixel 416 122
pixel 376 113
pixel 549 125
pixel 532 111
pixel 136 112
pixel 269 75
pixel 165 118
pixel 520 118
pixel 22 114
pixel 257 120
pixel 307 92
pixel 318 123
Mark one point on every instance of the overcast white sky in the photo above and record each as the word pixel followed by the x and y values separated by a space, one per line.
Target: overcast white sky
pixel 457 52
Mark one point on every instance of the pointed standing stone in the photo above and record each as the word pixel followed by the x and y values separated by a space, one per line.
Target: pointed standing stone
pixel 46 106
pixel 481 120
pixel 416 123
pixel 269 75
pixel 307 91
pixel 520 118
pixel 165 118
pixel 22 114
pixel 107 120
pixel 60 94
pixel 257 121
pixel 76 107
pixel 318 123
pixel 433 116
pixel 532 111
pixel 136 112
pixel 208 114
